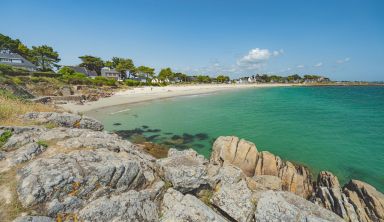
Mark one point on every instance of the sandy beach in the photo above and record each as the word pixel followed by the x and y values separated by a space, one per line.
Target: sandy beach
pixel 144 94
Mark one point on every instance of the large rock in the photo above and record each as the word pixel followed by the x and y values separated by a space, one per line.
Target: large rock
pixel 186 208
pixel 34 219
pixel 264 182
pixel 232 194
pixel 186 170
pixel 232 150
pixel 367 201
pixel 21 136
pixel 328 194
pixel 285 206
pixel 80 174
pixel 26 153
pixel 129 206
pixel 357 201
pixel 64 119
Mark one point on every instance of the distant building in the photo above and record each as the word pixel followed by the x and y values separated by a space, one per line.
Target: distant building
pixel 16 60
pixel 137 77
pixel 85 71
pixel 111 73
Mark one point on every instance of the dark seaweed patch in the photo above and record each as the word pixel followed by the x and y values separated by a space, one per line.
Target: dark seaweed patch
pixel 153 137
pixel 201 136
pixel 199 146
pixel 153 130
pixel 188 138
pixel 175 137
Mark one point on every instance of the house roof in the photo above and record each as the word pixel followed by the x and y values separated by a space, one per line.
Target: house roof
pixel 110 71
pixel 24 63
pixel 83 70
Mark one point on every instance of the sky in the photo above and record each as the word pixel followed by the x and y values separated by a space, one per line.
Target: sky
pixel 341 39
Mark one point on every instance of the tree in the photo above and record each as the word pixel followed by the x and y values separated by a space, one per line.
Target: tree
pixel 123 66
pixel 222 78
pixel 203 79
pixel 66 71
pixel 92 63
pixel 183 77
pixel 14 46
pixel 146 71
pixel 9 44
pixel 45 57
pixel 166 74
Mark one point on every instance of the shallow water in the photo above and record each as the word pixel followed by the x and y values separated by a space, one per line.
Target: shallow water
pixel 340 129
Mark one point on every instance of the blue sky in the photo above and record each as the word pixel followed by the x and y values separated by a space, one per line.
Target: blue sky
pixel 340 39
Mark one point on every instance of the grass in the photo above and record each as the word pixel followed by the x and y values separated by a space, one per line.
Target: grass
pixel 205 196
pixel 9 211
pixel 42 143
pixel 12 107
pixel 4 137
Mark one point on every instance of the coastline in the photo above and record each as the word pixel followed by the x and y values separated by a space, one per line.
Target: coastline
pixel 147 93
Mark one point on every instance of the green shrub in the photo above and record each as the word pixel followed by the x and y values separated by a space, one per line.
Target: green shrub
pixel 130 82
pixel 4 137
pixel 66 71
pixel 16 80
pixel 42 143
pixel 104 81
pixel 46 74
pixel 12 71
pixel 5 69
pixel 77 78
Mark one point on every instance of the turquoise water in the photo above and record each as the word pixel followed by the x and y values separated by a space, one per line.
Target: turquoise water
pixel 340 129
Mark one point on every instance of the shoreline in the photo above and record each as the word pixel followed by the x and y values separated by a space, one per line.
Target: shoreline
pixel 147 94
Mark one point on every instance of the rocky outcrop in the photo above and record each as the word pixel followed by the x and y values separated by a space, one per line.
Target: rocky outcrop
pixel 185 208
pixel 231 194
pixel 357 201
pixel 232 150
pixel 367 201
pixel 129 206
pixel 64 119
pixel 84 174
pixel 285 206
pixel 186 170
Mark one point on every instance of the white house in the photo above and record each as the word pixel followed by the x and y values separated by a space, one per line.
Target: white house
pixel 111 73
pixel 16 60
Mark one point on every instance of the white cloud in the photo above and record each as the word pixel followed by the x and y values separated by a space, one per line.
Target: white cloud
pixel 257 58
pixel 340 61
pixel 300 66
pixel 319 64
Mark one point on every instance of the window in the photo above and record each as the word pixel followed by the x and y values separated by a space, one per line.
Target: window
pixel 17 61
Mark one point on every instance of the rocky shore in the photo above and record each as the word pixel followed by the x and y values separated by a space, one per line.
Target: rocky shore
pixel 66 168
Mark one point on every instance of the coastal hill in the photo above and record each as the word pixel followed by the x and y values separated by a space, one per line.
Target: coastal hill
pixel 64 167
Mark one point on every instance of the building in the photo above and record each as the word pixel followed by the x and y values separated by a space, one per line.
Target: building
pixel 111 73
pixel 16 60
pixel 85 71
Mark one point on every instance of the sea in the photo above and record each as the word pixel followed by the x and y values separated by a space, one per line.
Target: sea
pixel 334 128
